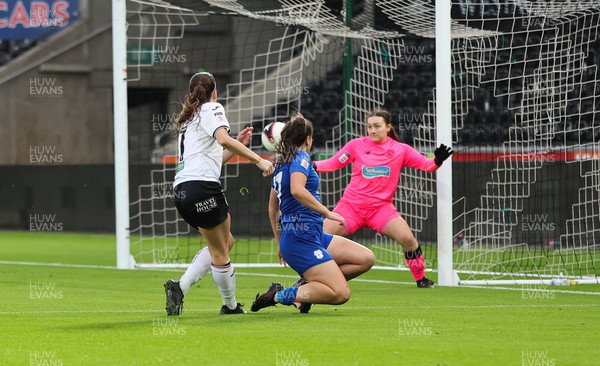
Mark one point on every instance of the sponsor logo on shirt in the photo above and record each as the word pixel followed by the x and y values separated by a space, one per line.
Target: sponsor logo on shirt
pixel 376 171
pixel 220 116
pixel 304 163
pixel 344 157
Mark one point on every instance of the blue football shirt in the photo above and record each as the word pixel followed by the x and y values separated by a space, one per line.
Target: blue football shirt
pixel 291 209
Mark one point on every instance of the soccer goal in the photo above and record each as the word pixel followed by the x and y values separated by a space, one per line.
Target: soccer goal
pixel 524 122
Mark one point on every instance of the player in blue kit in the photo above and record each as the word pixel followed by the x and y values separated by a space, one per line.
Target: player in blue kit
pixel 296 216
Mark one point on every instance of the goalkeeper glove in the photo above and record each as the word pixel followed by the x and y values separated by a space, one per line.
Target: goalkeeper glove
pixel 442 153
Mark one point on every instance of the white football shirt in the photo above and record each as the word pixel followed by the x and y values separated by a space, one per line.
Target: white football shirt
pixel 200 156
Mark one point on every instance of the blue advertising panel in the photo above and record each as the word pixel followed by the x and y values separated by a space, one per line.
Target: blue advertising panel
pixel 35 19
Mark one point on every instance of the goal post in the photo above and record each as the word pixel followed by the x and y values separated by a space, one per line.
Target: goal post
pixel 443 112
pixel 511 86
pixel 121 149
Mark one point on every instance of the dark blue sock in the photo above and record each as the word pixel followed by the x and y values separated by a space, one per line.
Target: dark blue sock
pixel 287 296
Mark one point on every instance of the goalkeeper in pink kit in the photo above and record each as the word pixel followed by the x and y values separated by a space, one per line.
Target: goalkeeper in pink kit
pixel 368 199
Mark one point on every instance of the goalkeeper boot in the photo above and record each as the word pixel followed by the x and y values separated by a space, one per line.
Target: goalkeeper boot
pixel 425 283
pixel 305 306
pixel 238 310
pixel 266 299
pixel 174 294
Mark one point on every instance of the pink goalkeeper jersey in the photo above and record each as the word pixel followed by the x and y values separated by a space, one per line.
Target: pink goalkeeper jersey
pixel 376 168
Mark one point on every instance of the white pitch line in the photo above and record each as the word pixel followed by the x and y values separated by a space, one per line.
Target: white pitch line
pixel 42 264
pixel 167 270
pixel 533 289
pixel 294 276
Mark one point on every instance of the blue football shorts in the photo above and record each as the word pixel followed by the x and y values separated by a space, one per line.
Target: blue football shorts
pixel 304 245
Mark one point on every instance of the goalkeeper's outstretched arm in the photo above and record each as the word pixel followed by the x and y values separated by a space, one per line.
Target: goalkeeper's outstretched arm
pixel 339 160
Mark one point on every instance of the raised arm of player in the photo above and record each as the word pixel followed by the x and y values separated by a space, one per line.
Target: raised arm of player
pixel 245 136
pixel 238 148
pixel 416 160
pixel 341 159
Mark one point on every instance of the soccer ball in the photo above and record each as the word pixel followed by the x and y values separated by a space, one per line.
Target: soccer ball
pixel 271 135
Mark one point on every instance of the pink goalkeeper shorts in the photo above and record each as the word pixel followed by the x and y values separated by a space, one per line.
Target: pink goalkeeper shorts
pixel 358 217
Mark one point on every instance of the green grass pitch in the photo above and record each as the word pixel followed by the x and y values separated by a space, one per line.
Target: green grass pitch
pixel 84 313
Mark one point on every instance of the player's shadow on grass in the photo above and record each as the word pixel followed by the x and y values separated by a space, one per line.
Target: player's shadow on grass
pixel 268 316
pixel 160 320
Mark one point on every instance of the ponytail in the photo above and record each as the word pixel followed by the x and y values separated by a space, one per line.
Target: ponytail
pixel 201 86
pixel 294 134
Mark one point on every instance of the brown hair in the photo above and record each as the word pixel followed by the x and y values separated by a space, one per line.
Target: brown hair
pixel 294 134
pixel 201 86
pixel 387 118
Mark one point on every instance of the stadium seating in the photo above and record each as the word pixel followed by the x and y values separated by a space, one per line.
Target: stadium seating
pixel 331 99
pixel 493 107
pixel 9 50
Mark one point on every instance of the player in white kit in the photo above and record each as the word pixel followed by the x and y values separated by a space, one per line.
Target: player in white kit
pixel 204 145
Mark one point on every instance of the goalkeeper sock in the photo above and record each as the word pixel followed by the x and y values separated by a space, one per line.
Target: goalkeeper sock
pixel 286 296
pixel 224 277
pixel 416 263
pixel 198 268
